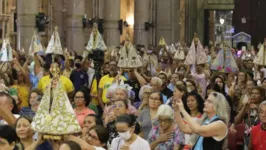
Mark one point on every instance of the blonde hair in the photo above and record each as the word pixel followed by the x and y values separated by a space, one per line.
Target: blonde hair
pixel 221 107
pixel 158 81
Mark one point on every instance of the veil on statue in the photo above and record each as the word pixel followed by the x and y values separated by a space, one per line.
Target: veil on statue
pixel 95 41
pixel 6 55
pixel 129 58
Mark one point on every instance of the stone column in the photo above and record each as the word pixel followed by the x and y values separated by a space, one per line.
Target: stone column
pixel 26 24
pixel 182 21
pixel 111 18
pixel 141 15
pixel 75 34
pixel 58 18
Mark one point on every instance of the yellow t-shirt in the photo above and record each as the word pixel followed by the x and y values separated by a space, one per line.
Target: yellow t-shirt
pixel 104 84
pixel 23 94
pixel 94 92
pixel 46 80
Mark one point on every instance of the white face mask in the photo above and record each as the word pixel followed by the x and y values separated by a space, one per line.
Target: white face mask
pixel 125 135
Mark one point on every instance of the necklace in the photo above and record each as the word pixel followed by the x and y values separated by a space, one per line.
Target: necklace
pixel 260 139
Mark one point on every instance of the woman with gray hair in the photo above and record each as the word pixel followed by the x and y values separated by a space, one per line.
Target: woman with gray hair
pixel 257 139
pixel 211 129
pixel 144 94
pixel 165 136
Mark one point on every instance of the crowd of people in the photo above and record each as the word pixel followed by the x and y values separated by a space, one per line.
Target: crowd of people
pixel 167 103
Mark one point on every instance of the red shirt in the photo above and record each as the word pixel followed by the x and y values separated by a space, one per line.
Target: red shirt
pixel 81 115
pixel 258 136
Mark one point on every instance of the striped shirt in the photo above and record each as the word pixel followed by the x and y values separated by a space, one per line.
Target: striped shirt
pixel 27 111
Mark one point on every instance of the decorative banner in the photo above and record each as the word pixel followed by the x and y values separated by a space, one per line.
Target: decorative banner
pixel 36 45
pixel 54 45
pixel 6 52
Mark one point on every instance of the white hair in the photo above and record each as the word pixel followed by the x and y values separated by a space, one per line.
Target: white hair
pixel 261 104
pixel 165 110
pixel 141 91
pixel 114 88
pixel 124 89
pixel 158 81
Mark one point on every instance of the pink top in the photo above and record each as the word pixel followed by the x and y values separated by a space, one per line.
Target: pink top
pixel 81 115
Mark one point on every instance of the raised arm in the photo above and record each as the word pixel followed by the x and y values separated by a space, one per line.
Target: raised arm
pixel 140 79
pixel 213 129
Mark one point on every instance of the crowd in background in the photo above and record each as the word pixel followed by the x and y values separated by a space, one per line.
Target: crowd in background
pixel 163 105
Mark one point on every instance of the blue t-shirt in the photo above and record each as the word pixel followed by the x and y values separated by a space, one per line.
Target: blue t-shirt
pixel 79 78
pixel 34 80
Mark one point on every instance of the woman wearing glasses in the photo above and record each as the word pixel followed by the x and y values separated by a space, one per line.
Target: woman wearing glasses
pixel 98 137
pixel 165 136
pixel 120 107
pixel 211 129
pixel 147 117
pixel 82 100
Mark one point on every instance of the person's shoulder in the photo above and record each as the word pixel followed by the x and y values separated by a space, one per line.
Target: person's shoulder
pixel 143 142
pixel 257 127
pixel 145 110
pixel 65 79
pixel 105 77
pixel 115 141
pixel 98 148
pixel 140 139
pixel 89 111
pixel 45 77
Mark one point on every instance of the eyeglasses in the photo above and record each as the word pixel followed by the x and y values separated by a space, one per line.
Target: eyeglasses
pixel 161 121
pixel 147 93
pixel 154 99
pixel 93 137
pixel 79 97
pixel 118 106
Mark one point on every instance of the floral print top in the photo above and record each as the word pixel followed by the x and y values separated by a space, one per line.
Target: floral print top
pixel 178 138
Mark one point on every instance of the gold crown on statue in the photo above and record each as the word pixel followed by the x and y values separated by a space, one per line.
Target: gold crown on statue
pixel 127 39
pixel 196 38
pixel 55 71
pixel 162 42
pixel 56 28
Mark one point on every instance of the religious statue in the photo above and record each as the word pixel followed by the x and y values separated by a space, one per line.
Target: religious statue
pixel 35 46
pixel 128 56
pixel 260 59
pixel 6 56
pixel 225 61
pixel 95 41
pixel 162 46
pixel 179 54
pixel 54 45
pixel 55 116
pixel 196 54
